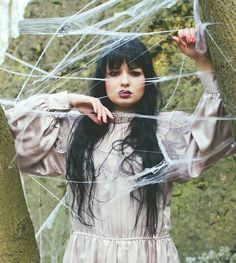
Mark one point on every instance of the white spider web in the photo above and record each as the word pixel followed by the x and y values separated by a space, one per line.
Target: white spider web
pixel 89 34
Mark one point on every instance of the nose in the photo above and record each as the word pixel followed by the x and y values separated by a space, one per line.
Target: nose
pixel 125 80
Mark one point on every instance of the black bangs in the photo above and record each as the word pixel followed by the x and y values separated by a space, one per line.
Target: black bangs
pixel 114 61
pixel 132 53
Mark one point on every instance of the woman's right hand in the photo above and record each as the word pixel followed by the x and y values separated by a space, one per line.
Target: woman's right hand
pixel 90 106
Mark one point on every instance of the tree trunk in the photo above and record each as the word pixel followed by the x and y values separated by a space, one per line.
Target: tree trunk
pixel 221 41
pixel 17 239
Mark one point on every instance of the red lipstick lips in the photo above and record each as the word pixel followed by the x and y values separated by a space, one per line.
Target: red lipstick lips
pixel 124 93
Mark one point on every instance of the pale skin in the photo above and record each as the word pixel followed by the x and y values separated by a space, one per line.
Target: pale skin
pixel 133 81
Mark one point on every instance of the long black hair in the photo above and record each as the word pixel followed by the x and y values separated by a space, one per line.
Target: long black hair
pixel 141 137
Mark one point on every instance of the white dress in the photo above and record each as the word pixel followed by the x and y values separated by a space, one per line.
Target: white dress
pixel 189 143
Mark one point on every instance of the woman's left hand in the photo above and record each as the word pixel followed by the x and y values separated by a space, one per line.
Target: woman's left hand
pixel 186 41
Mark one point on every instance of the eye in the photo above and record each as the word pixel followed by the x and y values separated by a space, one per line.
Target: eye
pixel 113 73
pixel 135 73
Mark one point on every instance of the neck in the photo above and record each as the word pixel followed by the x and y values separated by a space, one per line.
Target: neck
pixel 124 109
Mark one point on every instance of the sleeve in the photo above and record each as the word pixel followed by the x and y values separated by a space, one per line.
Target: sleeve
pixel 193 143
pixel 40 135
pixel 210 137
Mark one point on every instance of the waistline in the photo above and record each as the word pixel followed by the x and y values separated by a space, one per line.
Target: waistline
pixel 76 233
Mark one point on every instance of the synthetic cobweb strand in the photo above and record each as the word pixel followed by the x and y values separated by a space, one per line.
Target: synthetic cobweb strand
pixel 102 33
pixel 161 173
pixel 177 84
pixel 55 229
pixel 132 12
pixel 80 23
pixel 202 29
pixel 69 59
pixel 130 18
pixel 24 109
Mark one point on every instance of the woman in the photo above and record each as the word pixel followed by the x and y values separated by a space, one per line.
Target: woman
pixel 120 167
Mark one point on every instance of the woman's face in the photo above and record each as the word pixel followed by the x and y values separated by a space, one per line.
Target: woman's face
pixel 125 87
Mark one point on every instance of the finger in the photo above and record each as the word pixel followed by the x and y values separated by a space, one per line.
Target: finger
pixel 193 34
pixel 109 114
pixel 182 36
pixel 104 115
pixel 179 43
pixel 187 36
pixel 181 33
pixel 176 40
pixel 95 106
pixel 99 112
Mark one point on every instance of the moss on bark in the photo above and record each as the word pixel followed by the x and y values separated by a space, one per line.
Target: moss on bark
pixel 17 240
pixel 221 40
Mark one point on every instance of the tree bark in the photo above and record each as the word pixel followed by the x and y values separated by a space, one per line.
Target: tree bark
pixel 17 239
pixel 221 42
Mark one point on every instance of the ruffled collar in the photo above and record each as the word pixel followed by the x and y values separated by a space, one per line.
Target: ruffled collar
pixel 123 117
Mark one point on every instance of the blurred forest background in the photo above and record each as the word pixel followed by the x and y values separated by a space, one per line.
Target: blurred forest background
pixel 203 210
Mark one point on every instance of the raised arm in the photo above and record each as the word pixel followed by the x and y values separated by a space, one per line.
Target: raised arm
pixel 209 138
pixel 193 143
pixel 41 130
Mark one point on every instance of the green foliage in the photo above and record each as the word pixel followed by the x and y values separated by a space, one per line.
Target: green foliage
pixel 168 60
pixel 224 255
pixel 204 210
